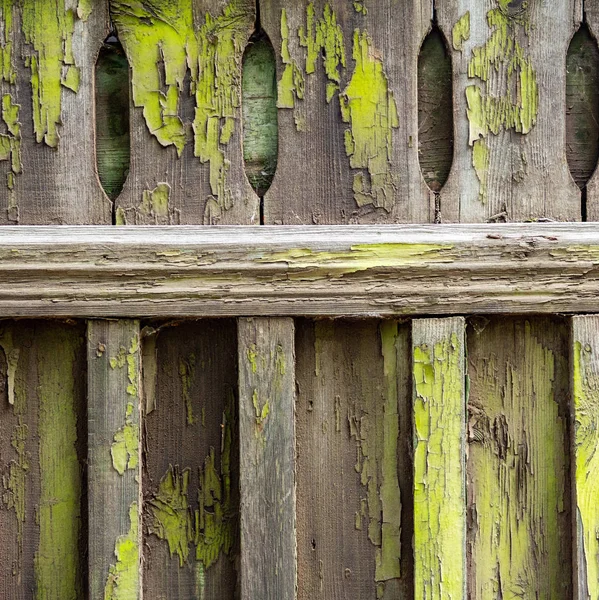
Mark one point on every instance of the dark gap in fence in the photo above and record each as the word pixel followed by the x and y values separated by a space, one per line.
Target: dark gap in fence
pixel 259 100
pixel 112 116
pixel 435 110
pixel 582 108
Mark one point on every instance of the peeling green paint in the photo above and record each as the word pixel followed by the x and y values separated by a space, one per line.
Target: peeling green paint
pixel 187 369
pixel 291 84
pixel 125 446
pixel 501 58
pixel 57 559
pixel 84 9
pixel 123 577
pixel 360 7
pixel 164 46
pixel 586 440
pixel 130 359
pixel 369 107
pixel 439 478
pixel 461 31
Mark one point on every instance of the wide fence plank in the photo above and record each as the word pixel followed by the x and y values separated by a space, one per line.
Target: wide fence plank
pixel 114 459
pixel 348 118
pixel 439 392
pixel 585 461
pixel 267 458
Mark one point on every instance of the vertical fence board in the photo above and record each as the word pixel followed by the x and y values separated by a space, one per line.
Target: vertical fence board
pixel 186 150
pixel 191 475
pixel 509 64
pixel 42 455
pixel 585 389
pixel 439 458
pixel 348 100
pixel 267 458
pixel 354 474
pixel 114 459
pixel 519 529
pixel 47 154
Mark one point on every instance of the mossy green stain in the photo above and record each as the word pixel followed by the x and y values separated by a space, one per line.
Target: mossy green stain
pixel 439 519
pixel 125 446
pixel 586 441
pixel 123 576
pixel 368 106
pixel 461 31
pixel 57 558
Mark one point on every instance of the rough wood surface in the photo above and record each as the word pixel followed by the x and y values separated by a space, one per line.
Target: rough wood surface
pixel 43 527
pixel 47 152
pixel 348 115
pixel 585 468
pixel 509 64
pixel 114 459
pixel 438 351
pixel 519 519
pixel 191 461
pixel 266 360
pixel 328 271
pixel 186 151
pixel 354 475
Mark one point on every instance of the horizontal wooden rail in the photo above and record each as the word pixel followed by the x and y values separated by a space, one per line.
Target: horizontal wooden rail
pixel 319 271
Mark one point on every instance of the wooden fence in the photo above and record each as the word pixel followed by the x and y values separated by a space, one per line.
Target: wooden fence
pixel 389 396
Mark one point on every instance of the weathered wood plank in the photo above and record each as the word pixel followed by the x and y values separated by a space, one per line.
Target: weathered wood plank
pixel 365 271
pixel 519 518
pixel 354 474
pixel 438 350
pixel 47 153
pixel 585 386
pixel 348 115
pixel 114 459
pixel 186 150
pixel 509 64
pixel 43 529
pixel 267 458
pixel 191 461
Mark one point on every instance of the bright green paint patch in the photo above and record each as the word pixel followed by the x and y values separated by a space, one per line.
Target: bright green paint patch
pixel 586 441
pixel 125 447
pixel 461 31
pixel 123 576
pixel 187 369
pixel 501 58
pixel 439 478
pixel 360 7
pixel 164 46
pixel 291 85
pixel 57 561
pixel 84 9
pixel 480 161
pixel 368 106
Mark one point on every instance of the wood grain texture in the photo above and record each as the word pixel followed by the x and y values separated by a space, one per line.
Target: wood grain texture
pixel 509 65
pixel 43 525
pixel 186 139
pixel 519 518
pixel 348 112
pixel 585 386
pixel 47 161
pixel 191 462
pixel 344 270
pixel 354 473
pixel 267 458
pixel 438 351
pixel 114 459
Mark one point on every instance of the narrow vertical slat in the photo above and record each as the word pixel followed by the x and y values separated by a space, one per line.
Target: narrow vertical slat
pixel 267 458
pixel 114 459
pixel 439 458
pixel 585 389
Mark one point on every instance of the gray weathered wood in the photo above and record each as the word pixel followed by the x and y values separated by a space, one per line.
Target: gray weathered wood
pixel 48 166
pixel 114 459
pixel 585 466
pixel 370 61
pixel 363 271
pixel 509 71
pixel 267 458
pixel 439 393
pixel 186 150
